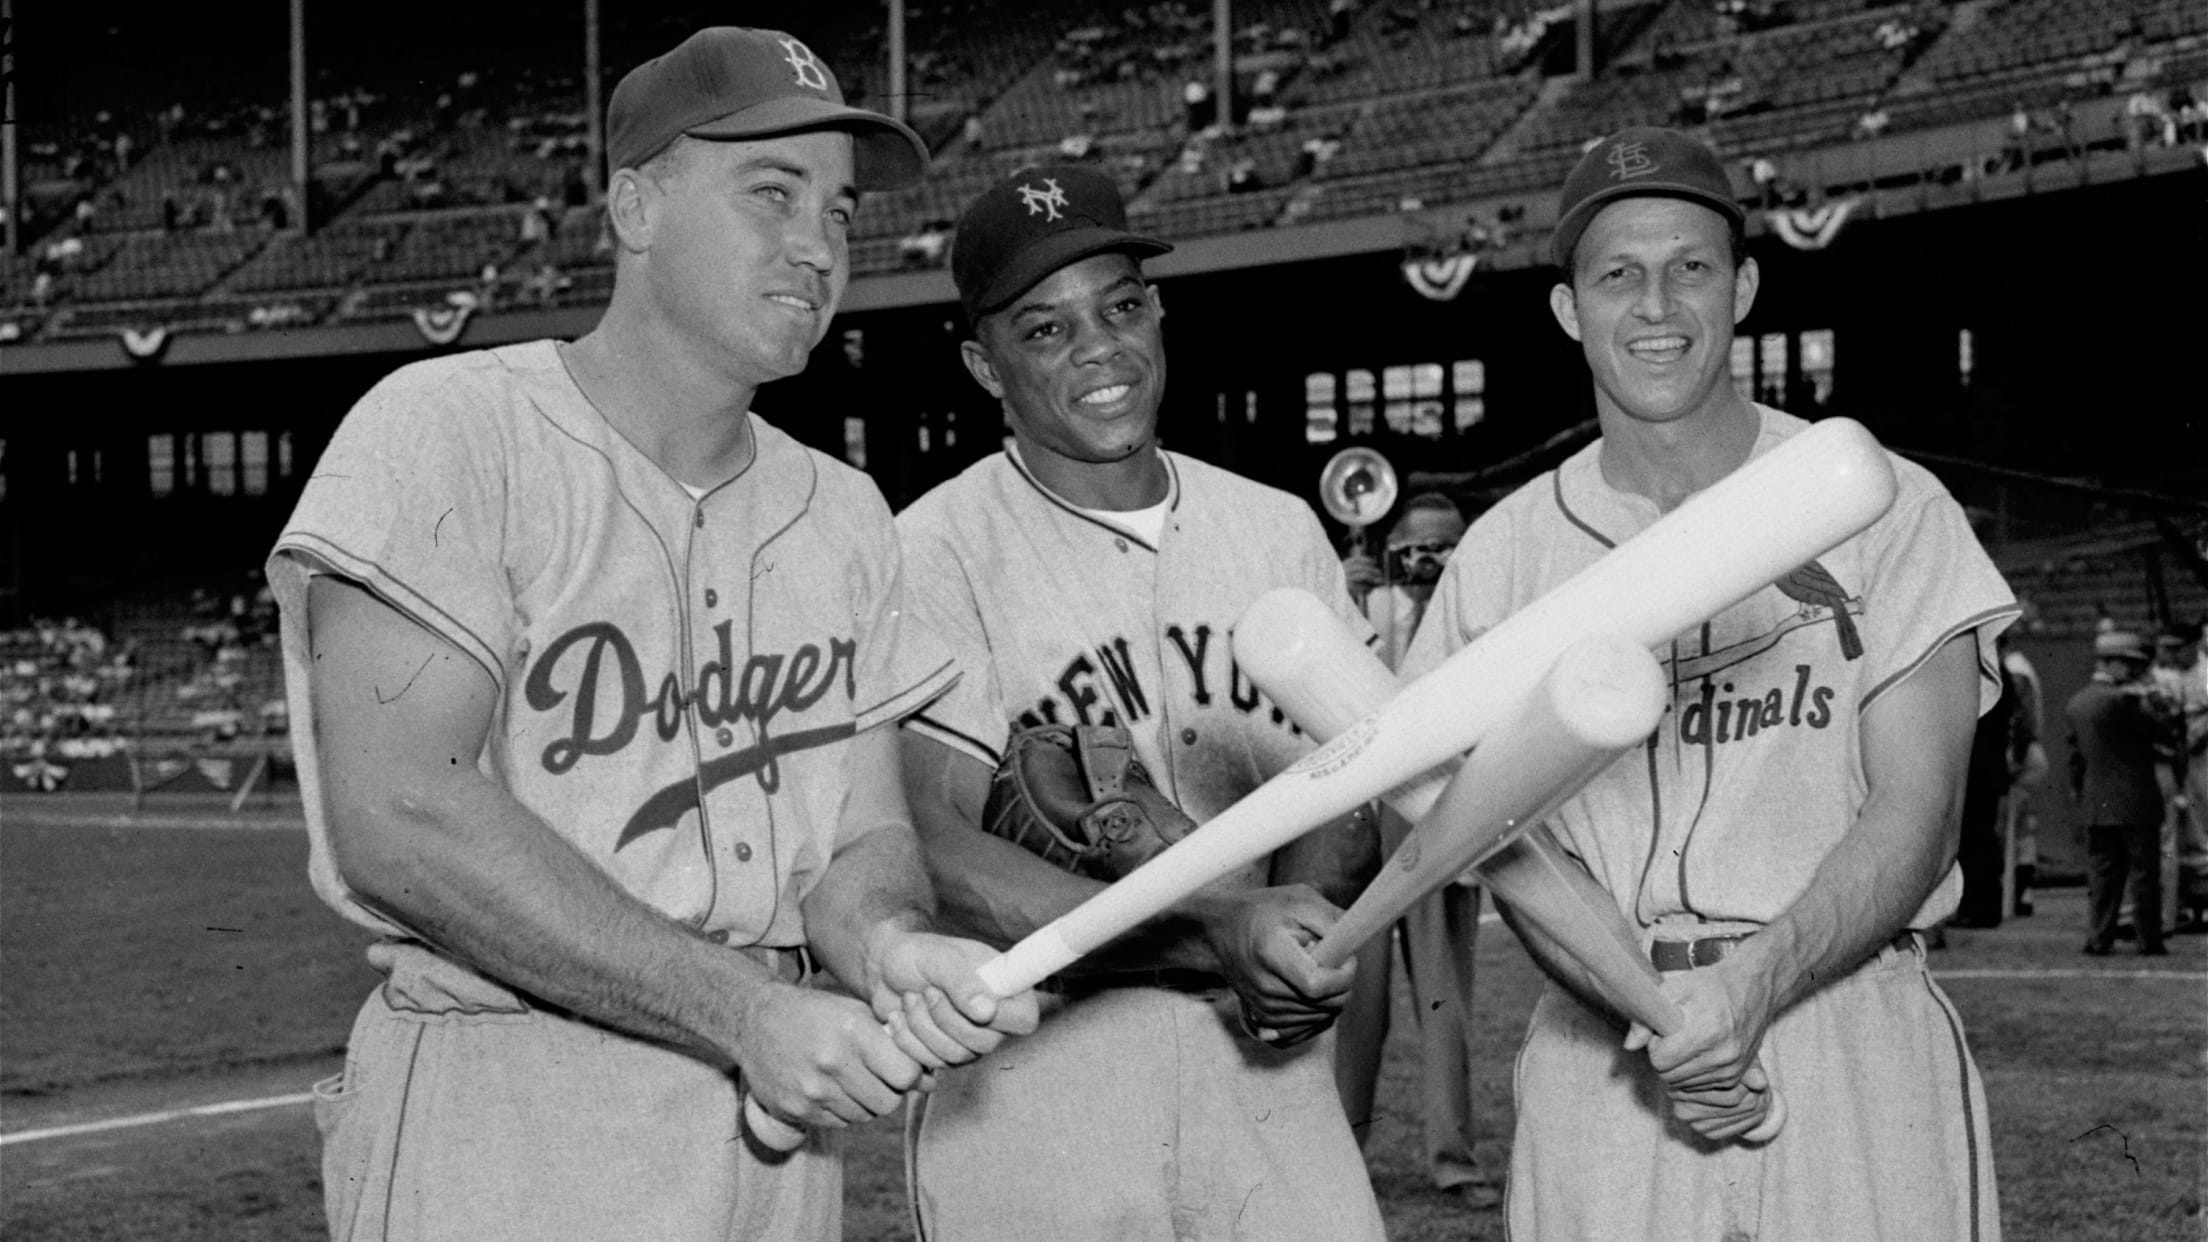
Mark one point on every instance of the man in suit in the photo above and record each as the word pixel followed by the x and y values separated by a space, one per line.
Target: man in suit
pixel 2113 730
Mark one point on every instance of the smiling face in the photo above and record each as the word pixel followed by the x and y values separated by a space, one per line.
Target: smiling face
pixel 1078 361
pixel 744 248
pixel 1653 299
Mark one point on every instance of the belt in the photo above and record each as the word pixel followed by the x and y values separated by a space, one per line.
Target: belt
pixel 1168 978
pixel 1673 955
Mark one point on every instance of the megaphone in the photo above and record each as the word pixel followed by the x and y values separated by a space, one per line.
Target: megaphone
pixel 1358 488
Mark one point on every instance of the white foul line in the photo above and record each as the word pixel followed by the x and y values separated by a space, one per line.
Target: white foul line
pixel 148 1119
pixel 2193 975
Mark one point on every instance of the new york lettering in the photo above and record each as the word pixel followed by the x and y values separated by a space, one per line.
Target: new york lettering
pixel 762 688
pixel 1712 720
pixel 1104 686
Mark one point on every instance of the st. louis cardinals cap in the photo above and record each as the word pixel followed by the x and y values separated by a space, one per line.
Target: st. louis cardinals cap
pixel 736 82
pixel 1032 223
pixel 1644 162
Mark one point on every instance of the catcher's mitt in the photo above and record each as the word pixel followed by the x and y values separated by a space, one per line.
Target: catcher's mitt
pixel 1076 796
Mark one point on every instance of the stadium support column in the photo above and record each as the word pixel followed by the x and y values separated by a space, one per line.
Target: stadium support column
pixel 898 92
pixel 10 174
pixel 594 110
pixel 1222 57
pixel 299 185
pixel 1585 64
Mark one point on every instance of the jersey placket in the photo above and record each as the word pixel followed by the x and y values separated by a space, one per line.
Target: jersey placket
pixel 716 593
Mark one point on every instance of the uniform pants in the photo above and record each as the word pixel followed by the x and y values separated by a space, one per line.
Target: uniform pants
pixel 2115 854
pixel 1139 1115
pixel 466 1115
pixel 1439 938
pixel 1886 1138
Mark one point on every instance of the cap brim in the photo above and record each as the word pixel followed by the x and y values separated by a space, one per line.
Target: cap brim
pixel 1576 220
pixel 886 153
pixel 1055 251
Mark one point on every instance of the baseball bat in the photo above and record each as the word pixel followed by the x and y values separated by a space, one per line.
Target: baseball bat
pixel 1303 657
pixel 1721 545
pixel 1600 698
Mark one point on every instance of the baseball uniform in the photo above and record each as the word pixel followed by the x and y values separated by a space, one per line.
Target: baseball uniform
pixel 678 678
pixel 1137 1113
pixel 1716 826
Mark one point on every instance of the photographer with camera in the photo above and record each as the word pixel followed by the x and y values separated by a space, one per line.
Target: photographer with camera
pixel 1437 933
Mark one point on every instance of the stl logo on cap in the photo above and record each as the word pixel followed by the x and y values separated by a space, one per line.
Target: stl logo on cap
pixel 810 72
pixel 1038 202
pixel 1630 159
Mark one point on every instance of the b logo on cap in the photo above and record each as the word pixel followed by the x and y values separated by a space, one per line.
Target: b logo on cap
pixel 1038 202
pixel 810 72
pixel 1630 159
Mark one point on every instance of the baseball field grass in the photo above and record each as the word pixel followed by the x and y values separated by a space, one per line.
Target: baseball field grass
pixel 149 968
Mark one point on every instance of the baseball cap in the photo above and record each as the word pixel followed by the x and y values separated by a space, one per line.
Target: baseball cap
pixel 737 82
pixel 1643 162
pixel 1032 223
pixel 2120 645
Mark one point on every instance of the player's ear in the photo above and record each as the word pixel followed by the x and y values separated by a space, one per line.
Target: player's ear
pixel 629 209
pixel 1564 304
pixel 1157 299
pixel 1746 281
pixel 981 367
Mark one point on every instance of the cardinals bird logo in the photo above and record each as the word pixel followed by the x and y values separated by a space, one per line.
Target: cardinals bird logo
pixel 1812 585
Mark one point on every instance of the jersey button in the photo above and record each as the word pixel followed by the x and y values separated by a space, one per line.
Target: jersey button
pixel 1122 544
pixel 699 520
pixel 743 851
pixel 717 937
pixel 712 597
pixel 1188 737
pixel 725 737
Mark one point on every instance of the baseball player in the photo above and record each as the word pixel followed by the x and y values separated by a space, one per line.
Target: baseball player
pixel 1789 828
pixel 595 674
pixel 1438 934
pixel 1086 576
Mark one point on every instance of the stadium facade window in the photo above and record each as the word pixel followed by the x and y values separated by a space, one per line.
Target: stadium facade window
pixel 1816 353
pixel 218 455
pixel 161 464
pixel 1744 364
pixel 1359 387
pixel 1771 368
pixel 253 463
pixel 854 442
pixel 1321 417
pixel 1966 350
pixel 1468 384
pixel 283 454
pixel 85 467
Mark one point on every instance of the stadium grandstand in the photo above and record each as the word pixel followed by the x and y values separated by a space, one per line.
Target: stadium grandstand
pixel 1976 219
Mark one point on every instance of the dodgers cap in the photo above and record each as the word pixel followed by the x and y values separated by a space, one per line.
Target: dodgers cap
pixel 737 82
pixel 1032 223
pixel 1643 162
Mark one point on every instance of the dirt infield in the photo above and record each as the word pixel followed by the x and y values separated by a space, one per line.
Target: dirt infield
pixel 154 970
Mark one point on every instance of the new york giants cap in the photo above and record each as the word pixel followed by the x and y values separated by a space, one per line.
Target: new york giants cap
pixel 737 82
pixel 1032 223
pixel 1643 162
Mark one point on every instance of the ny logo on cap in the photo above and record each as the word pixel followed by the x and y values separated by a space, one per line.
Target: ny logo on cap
pixel 810 72
pixel 1038 202
pixel 1630 159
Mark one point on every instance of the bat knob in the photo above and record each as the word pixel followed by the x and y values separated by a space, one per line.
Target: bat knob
pixel 1774 1120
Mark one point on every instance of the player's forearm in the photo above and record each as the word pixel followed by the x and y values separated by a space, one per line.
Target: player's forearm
pixel 875 888
pixel 477 876
pixel 1864 894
